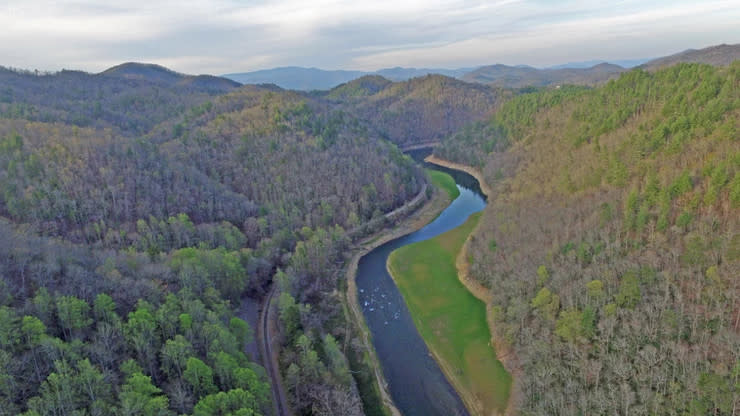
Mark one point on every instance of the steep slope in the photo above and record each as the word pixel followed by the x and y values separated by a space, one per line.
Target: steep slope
pixel 524 76
pixel 172 228
pixel 611 245
pixel 419 110
pixel 718 55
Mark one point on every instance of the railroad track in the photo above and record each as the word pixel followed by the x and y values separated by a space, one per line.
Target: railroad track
pixel 279 400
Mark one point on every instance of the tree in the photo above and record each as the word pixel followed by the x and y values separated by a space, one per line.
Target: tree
pixel 595 289
pixel 8 384
pixel 546 302
pixel 139 397
pixel 236 402
pixel 241 331
pixel 92 384
pixel 8 329
pixel 58 394
pixel 568 325
pixel 199 376
pixel 337 362
pixel 141 333
pixel 629 291
pixel 174 356
pixel 73 315
pixel 104 309
pixel 32 330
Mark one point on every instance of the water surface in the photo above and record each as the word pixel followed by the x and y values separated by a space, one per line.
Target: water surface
pixel 416 382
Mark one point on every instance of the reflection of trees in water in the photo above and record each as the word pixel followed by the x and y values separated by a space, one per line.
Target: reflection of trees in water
pixel 461 178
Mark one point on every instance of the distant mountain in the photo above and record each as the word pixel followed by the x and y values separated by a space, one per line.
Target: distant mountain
pixel 590 73
pixel 160 75
pixel 403 74
pixel 624 63
pixel 521 76
pixel 718 55
pixel 297 78
pixel 309 79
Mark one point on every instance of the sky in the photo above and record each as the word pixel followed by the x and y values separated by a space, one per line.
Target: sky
pixel 226 36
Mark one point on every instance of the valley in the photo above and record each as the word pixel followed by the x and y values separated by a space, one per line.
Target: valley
pixel 586 263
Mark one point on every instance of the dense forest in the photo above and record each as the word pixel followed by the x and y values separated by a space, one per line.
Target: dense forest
pixel 133 226
pixel 611 242
pixel 421 110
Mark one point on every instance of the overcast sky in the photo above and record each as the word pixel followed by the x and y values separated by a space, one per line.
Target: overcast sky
pixel 221 36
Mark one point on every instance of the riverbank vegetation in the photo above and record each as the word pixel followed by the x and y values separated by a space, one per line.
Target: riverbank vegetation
pixel 610 243
pixel 451 320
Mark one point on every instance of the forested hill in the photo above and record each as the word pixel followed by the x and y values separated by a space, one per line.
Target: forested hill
pixel 718 55
pixel 525 76
pixel 130 98
pixel 134 215
pixel 611 244
pixel 418 110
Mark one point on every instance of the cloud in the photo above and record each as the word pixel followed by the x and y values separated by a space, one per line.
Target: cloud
pixel 221 36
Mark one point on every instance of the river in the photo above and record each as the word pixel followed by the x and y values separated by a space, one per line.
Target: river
pixel 416 382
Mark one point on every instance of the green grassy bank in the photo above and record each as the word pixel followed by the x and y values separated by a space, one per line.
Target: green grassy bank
pixel 444 182
pixel 450 319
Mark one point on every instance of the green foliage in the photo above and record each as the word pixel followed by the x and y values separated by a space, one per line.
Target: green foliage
pixel 201 268
pixel 140 397
pixel 570 325
pixel 629 291
pixel 236 402
pixel 595 289
pixel 684 219
pixel 735 191
pixel 174 355
pixel 681 185
pixel 199 377
pixel 241 331
pixel 32 330
pixel 73 314
pixel 104 309
pixel 542 275
pixel 547 303
pixel 289 315
pixel 8 328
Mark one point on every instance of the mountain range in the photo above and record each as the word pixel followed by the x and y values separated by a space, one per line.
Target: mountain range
pixel 580 73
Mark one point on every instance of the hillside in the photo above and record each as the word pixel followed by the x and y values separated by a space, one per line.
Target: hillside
pixel 130 99
pixel 524 76
pixel 611 244
pixel 415 111
pixel 125 249
pixel 157 74
pixel 718 55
